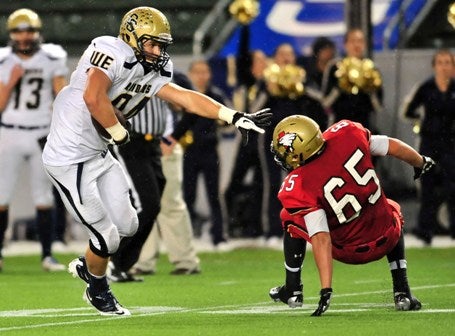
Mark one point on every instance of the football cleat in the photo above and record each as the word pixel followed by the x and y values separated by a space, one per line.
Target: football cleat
pixel 115 275
pixel 49 264
pixel 78 268
pixel 293 299
pixel 406 302
pixel 185 271
pixel 105 303
pixel 141 271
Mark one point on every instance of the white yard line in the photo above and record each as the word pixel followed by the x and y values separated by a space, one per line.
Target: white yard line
pixel 250 308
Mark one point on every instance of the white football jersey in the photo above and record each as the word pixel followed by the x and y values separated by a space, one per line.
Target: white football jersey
pixel 73 138
pixel 30 103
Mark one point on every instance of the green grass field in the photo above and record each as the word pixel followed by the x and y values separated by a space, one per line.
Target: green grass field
pixel 230 297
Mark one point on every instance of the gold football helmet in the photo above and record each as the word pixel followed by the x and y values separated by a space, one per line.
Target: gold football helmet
pixel 296 139
pixel 142 24
pixel 24 20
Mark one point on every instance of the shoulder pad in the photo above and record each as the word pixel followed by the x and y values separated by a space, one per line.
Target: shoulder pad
pixel 112 45
pixel 168 69
pixel 54 51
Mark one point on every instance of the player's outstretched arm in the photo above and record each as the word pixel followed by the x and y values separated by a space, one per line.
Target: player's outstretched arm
pixel 406 153
pixel 322 251
pixel 207 107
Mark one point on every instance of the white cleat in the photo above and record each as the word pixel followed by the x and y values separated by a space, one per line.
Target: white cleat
pixel 49 264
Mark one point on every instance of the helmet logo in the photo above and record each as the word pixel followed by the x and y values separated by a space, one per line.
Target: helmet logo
pixel 132 22
pixel 286 140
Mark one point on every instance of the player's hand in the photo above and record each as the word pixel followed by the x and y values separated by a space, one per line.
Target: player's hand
pixel 255 121
pixel 324 301
pixel 428 163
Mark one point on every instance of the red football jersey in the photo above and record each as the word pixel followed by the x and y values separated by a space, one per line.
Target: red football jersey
pixel 343 182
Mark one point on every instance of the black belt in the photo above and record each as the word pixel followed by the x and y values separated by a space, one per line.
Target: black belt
pixel 27 128
pixel 146 136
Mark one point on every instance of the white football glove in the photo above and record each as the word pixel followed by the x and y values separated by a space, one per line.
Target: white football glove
pixel 254 121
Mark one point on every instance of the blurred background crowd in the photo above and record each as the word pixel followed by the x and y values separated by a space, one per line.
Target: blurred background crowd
pixel 360 60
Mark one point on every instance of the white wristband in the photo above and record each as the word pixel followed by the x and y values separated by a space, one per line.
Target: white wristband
pixel 117 132
pixel 226 114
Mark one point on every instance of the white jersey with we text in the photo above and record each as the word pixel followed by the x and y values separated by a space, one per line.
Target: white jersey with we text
pixel 30 103
pixel 73 138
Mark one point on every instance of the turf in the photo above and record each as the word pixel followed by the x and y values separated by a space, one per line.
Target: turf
pixel 230 297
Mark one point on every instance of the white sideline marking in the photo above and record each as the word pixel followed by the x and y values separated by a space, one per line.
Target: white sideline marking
pixel 367 281
pixel 86 311
pixel 252 308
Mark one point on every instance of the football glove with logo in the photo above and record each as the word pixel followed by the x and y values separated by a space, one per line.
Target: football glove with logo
pixel 254 121
pixel 324 302
pixel 428 163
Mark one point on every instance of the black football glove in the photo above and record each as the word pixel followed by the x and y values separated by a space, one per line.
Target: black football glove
pixel 324 301
pixel 254 121
pixel 428 163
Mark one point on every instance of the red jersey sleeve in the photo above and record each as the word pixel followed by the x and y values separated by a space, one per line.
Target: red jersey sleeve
pixel 293 196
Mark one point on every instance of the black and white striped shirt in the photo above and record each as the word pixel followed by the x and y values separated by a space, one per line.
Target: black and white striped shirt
pixel 157 118
pixel 153 118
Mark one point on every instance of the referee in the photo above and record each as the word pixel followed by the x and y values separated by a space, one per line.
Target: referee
pixel 142 159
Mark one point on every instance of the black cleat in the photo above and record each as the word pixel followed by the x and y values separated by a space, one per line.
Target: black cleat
pixel 115 275
pixel 185 271
pixel 105 303
pixel 406 302
pixel 292 298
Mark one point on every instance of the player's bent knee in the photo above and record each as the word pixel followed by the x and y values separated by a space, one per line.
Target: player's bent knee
pixel 129 226
pixel 106 242
pixel 113 241
pixel 133 227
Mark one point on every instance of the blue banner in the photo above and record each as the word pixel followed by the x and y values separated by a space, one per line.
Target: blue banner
pixel 299 22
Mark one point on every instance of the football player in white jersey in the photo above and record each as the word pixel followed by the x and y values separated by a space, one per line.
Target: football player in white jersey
pixel 31 74
pixel 115 74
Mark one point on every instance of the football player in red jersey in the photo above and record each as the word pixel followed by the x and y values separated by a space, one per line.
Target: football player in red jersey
pixel 332 198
